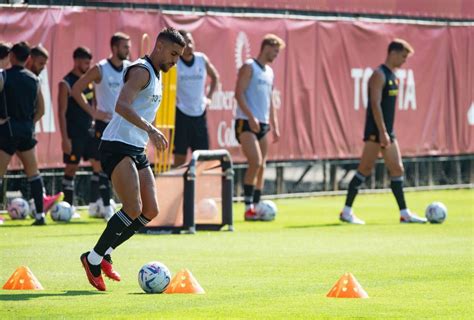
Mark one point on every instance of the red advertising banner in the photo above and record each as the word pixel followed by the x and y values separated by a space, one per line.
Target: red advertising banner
pixel 451 9
pixel 321 77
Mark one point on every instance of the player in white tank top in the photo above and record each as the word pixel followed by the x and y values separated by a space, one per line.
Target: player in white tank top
pixel 123 153
pixel 253 94
pixel 107 77
pixel 194 68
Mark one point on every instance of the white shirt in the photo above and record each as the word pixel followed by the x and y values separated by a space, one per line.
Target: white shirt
pixel 146 105
pixel 191 86
pixel 108 89
pixel 258 93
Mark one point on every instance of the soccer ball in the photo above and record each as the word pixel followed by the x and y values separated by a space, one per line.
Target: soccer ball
pixel 436 212
pixel 154 277
pixel 18 209
pixel 61 211
pixel 207 209
pixel 266 210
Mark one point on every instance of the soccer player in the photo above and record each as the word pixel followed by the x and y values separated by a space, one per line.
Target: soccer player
pixel 4 51
pixel 192 100
pixel 379 135
pixel 254 115
pixel 75 124
pixel 37 60
pixel 123 154
pixel 21 107
pixel 107 78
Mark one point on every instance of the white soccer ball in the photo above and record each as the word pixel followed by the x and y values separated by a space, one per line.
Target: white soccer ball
pixel 207 209
pixel 266 210
pixel 154 277
pixel 62 211
pixel 18 209
pixel 436 212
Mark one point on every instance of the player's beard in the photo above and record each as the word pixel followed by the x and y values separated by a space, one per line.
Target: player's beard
pixel 165 67
pixel 122 56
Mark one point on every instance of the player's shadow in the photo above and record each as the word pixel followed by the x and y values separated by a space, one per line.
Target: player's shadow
pixel 308 226
pixel 29 296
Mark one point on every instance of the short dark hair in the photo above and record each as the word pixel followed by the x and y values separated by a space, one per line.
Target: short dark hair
pixel 400 45
pixel 82 53
pixel 21 50
pixel 172 35
pixel 5 48
pixel 117 37
pixel 184 33
pixel 39 51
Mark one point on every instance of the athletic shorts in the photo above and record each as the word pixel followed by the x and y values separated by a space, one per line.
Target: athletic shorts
pixel 98 130
pixel 82 148
pixel 374 137
pixel 190 132
pixel 22 139
pixel 112 152
pixel 13 144
pixel 242 125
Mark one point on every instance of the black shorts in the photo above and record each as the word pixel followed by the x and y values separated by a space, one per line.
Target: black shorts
pixel 242 125
pixel 98 130
pixel 84 148
pixel 13 144
pixel 17 135
pixel 374 137
pixel 112 152
pixel 190 132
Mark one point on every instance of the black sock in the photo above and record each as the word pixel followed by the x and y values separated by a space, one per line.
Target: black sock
pixel 115 227
pixel 131 230
pixel 354 186
pixel 256 196
pixel 248 194
pixel 68 189
pixel 397 188
pixel 36 187
pixel 94 192
pixel 104 187
pixel 1 193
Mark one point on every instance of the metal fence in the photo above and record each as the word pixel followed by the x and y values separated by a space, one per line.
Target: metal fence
pixel 298 178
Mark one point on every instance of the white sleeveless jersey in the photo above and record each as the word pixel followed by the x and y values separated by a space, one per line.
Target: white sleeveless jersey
pixel 258 93
pixel 191 85
pixel 146 105
pixel 108 89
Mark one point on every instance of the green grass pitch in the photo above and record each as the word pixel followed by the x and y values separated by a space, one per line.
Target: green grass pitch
pixel 281 269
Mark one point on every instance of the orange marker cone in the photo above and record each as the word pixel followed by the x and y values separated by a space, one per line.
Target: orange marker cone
pixel 22 279
pixel 184 282
pixel 347 287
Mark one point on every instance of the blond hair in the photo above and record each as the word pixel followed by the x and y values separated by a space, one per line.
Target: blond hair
pixel 271 39
pixel 398 44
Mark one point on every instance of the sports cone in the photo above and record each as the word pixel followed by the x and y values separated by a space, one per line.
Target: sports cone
pixel 347 287
pixel 22 279
pixel 184 282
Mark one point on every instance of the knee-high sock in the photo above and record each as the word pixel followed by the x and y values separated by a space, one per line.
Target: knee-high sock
pixel 68 189
pixel 104 187
pixel 114 229
pixel 131 230
pixel 397 189
pixel 36 187
pixel 1 193
pixel 256 196
pixel 248 195
pixel 354 186
pixel 94 192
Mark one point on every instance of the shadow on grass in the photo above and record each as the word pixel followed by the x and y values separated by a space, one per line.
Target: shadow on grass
pixel 28 296
pixel 8 224
pixel 306 226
